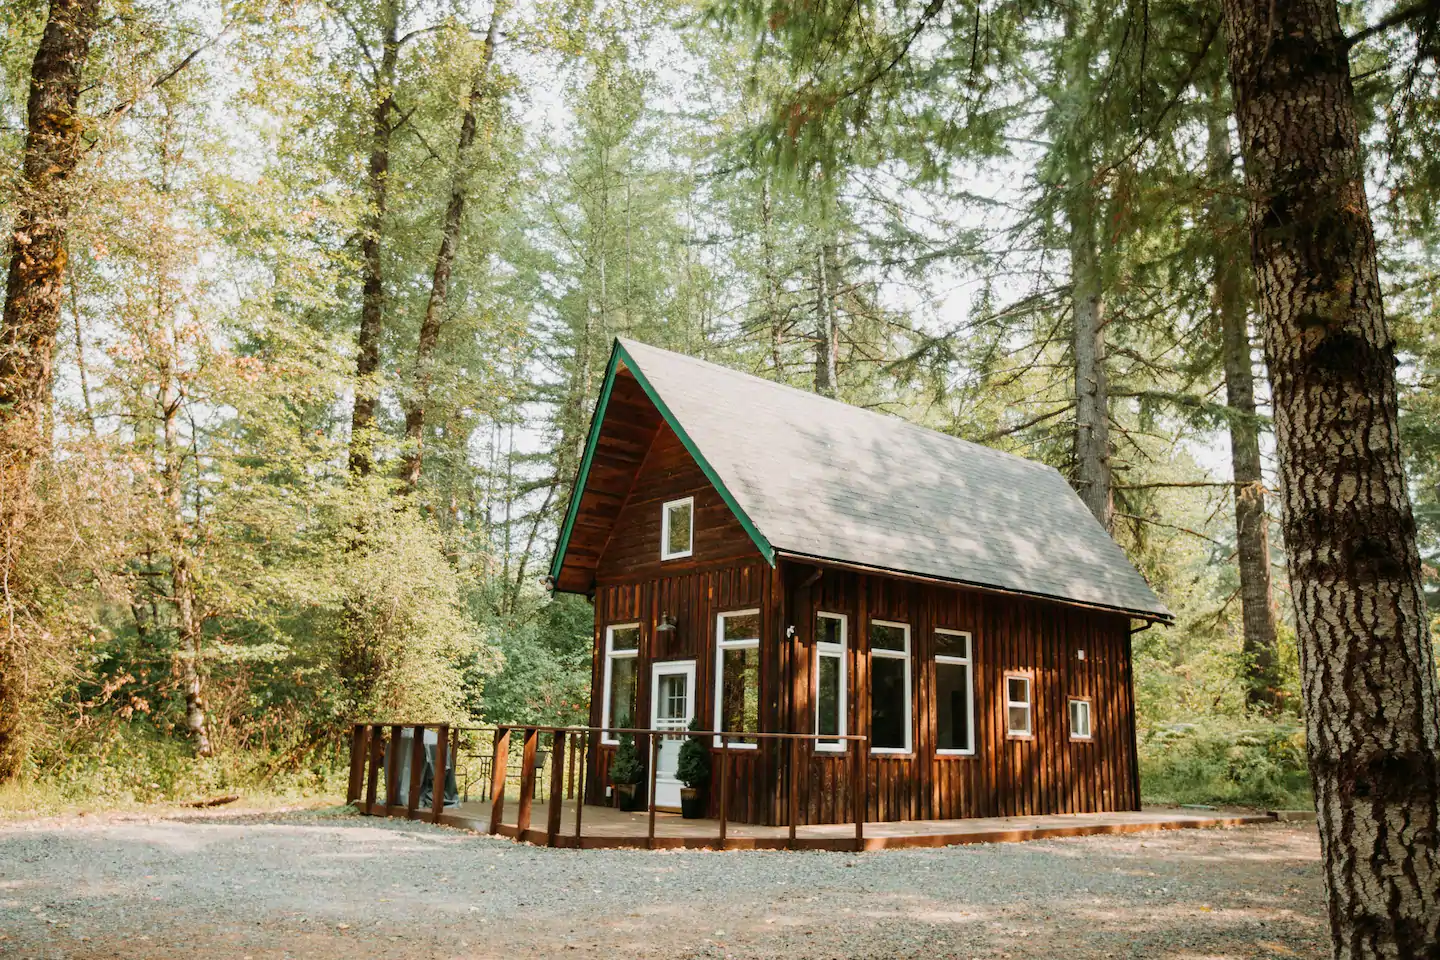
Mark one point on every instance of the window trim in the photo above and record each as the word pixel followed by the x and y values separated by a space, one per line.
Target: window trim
pixel 1028 703
pixel 1089 718
pixel 968 661
pixel 839 650
pixel 689 550
pixel 721 645
pixel 611 655
pixel 906 656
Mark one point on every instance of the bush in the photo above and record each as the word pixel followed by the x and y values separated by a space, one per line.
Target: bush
pixel 626 768
pixel 1215 763
pixel 692 768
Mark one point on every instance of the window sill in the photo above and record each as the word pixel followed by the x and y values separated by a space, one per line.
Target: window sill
pixel 1019 736
pixel 831 748
pixel 736 746
pixel 1075 739
pixel 891 751
pixel 954 754
pixel 676 556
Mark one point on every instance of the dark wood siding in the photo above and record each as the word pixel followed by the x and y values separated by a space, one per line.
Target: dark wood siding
pixel 1047 773
pixel 670 473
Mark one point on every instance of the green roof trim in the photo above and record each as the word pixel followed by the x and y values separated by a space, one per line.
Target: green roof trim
pixel 619 355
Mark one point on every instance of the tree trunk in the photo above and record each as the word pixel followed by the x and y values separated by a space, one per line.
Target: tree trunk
pixel 771 279
pixel 1367 665
pixel 372 287
pixel 827 332
pixel 1092 387
pixel 34 289
pixel 182 584
pixel 444 262
pixel 1252 526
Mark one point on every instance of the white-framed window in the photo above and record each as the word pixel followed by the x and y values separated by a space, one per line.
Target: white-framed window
pixel 622 650
pixel 889 687
pixel 831 680
pixel 954 694
pixel 737 675
pixel 1017 705
pixel 1079 719
pixel 677 529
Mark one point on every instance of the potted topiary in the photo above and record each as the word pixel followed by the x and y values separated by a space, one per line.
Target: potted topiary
pixel 626 772
pixel 692 768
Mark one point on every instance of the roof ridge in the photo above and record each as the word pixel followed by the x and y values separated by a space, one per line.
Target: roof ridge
pixel 890 418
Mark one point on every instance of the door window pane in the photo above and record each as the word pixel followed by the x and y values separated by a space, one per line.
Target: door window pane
pixel 952 707
pixel 674 695
pixel 889 703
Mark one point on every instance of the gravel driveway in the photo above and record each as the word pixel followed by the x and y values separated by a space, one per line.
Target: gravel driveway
pixel 267 886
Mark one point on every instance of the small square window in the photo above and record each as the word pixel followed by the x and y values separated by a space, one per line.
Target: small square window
pixel 1017 706
pixel 677 529
pixel 1079 719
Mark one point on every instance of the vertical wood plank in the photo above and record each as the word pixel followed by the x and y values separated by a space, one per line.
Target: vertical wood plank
pixel 442 766
pixel 417 771
pixel 557 781
pixel 499 760
pixel 392 769
pixel 584 739
pixel 527 782
pixel 357 763
pixel 377 754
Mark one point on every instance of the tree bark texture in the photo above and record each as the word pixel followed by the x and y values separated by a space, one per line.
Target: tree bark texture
pixel 429 338
pixel 372 286
pixel 1252 526
pixel 1093 480
pixel 34 290
pixel 182 583
pixel 1367 665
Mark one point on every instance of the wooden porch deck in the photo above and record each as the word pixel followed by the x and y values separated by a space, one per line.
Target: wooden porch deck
pixel 605 827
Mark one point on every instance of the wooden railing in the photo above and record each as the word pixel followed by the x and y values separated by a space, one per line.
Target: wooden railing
pixel 377 746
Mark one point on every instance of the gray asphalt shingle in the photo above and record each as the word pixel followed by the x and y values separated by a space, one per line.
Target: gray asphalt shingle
pixel 828 480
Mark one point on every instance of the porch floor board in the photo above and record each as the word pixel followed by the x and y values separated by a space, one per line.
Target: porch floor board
pixel 608 827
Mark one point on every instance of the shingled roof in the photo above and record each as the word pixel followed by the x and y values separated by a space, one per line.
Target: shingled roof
pixel 812 477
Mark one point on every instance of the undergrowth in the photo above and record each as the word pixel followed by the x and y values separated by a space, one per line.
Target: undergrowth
pixel 1220 762
pixel 131 767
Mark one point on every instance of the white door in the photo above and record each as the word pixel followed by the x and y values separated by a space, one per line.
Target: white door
pixel 672 707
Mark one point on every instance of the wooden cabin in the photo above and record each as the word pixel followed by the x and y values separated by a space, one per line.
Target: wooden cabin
pixel 766 559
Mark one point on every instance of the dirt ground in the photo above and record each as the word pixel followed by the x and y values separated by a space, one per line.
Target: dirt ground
pixel 270 886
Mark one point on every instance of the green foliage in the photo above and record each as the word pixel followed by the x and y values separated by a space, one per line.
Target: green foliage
pixel 1218 762
pixel 692 767
pixel 625 766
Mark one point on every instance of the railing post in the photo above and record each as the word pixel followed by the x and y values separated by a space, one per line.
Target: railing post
pixel 650 796
pixel 794 787
pixel 359 744
pixel 527 782
pixel 584 752
pixel 498 761
pixel 417 771
pixel 438 778
pixel 857 792
pixel 557 771
pixel 724 784
pixel 372 776
pixel 392 769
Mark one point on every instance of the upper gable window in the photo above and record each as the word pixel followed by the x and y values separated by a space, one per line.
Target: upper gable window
pixel 677 529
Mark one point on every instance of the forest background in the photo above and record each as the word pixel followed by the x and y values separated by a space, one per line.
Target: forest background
pixel 341 278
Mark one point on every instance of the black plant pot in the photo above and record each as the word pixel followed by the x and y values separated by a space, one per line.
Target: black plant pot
pixel 627 797
pixel 692 804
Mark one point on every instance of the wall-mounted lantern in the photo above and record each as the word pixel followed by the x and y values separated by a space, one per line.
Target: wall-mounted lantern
pixel 666 624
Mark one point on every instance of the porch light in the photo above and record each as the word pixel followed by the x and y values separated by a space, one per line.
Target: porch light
pixel 666 624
